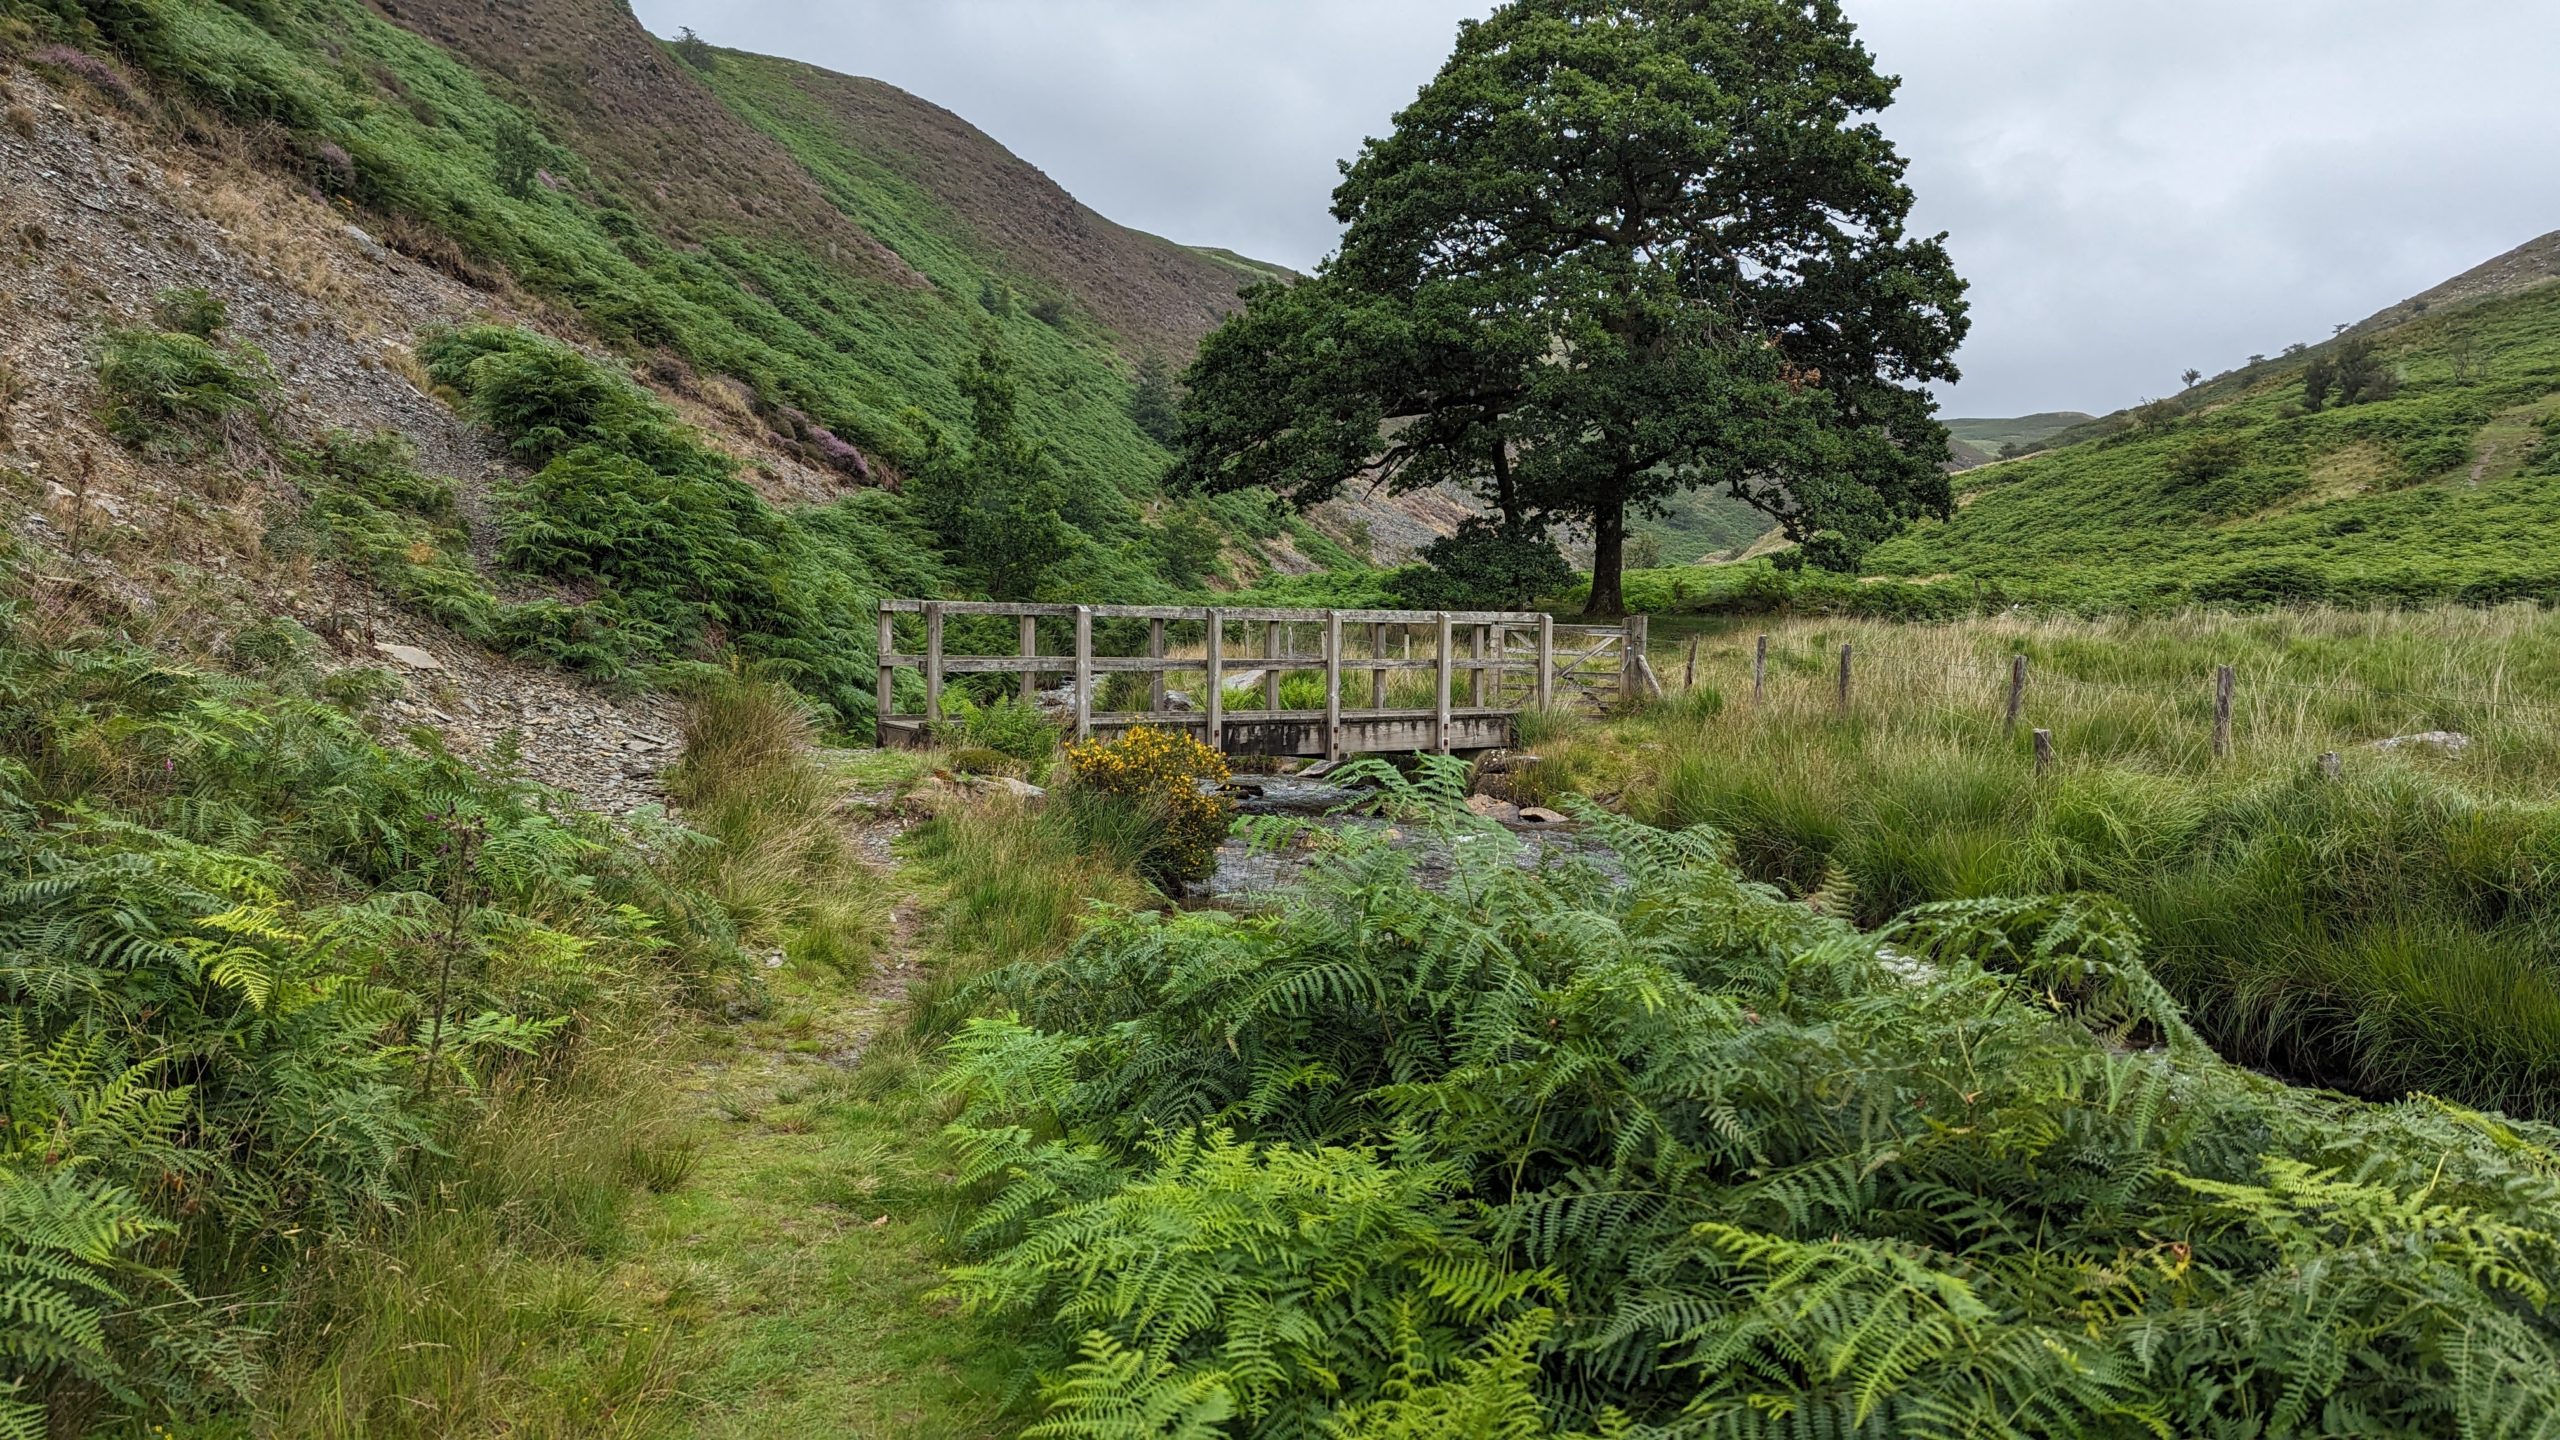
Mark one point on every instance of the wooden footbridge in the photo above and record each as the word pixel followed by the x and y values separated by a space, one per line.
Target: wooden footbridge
pixel 1483 669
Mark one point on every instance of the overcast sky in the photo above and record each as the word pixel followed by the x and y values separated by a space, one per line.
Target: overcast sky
pixel 2131 186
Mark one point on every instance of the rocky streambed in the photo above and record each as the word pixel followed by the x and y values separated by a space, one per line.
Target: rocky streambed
pixel 1248 871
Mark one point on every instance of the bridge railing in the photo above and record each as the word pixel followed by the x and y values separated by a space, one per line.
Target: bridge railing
pixel 1501 662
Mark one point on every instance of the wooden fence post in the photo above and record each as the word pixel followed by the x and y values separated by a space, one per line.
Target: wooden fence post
pixel 1271 665
pixel 1760 672
pixel 887 699
pixel 1377 678
pixel 2017 691
pixel 1631 668
pixel 1546 662
pixel 2225 680
pixel 1846 652
pixel 1475 677
pixel 1448 657
pixel 933 663
pixel 1084 672
pixel 1217 682
pixel 1030 635
pixel 1155 682
pixel 1689 678
pixel 1333 685
pixel 2044 753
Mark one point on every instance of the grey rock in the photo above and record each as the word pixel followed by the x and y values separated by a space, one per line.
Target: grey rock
pixel 408 655
pixel 2451 742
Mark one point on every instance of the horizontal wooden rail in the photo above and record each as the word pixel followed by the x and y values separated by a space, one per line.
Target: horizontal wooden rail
pixel 1417 618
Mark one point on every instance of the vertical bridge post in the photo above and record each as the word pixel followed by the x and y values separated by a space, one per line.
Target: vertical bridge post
pixel 1333 749
pixel 1030 650
pixel 1271 665
pixel 1440 710
pixel 1378 677
pixel 1546 662
pixel 933 663
pixel 1155 682
pixel 1084 672
pixel 887 699
pixel 1217 682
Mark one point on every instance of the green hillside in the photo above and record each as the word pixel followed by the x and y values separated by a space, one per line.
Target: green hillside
pixel 824 276
pixel 1981 441
pixel 2239 492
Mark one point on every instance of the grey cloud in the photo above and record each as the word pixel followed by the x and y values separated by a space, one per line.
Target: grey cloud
pixel 2132 188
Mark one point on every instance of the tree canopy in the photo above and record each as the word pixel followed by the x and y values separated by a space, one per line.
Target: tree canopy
pixel 1612 251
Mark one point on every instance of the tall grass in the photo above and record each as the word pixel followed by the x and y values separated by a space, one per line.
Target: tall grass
pixel 2389 930
pixel 1018 880
pixel 782 868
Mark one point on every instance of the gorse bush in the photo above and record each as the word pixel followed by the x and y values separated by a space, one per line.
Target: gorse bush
pixel 1552 1151
pixel 1170 778
pixel 253 966
pixel 174 393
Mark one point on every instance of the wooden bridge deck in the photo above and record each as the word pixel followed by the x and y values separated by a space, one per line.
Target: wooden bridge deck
pixel 1486 667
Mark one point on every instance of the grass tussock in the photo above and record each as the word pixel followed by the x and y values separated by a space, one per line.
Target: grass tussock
pixel 783 868
pixel 2385 931
pixel 1018 881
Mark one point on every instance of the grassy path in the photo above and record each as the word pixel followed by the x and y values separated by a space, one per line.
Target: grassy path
pixel 801 1252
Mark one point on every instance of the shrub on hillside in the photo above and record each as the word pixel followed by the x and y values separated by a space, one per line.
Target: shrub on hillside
pixel 175 394
pixel 1484 565
pixel 1163 775
pixel 191 310
pixel 2208 458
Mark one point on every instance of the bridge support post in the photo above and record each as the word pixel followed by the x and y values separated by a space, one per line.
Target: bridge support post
pixel 1084 672
pixel 1217 682
pixel 887 698
pixel 1030 651
pixel 933 664
pixel 1155 682
pixel 1377 678
pixel 1475 676
pixel 1333 685
pixel 1271 669
pixel 1440 711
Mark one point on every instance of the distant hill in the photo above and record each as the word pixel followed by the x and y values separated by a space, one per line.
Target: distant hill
pixel 1972 443
pixel 2236 491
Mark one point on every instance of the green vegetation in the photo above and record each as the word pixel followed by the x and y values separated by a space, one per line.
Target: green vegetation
pixel 267 982
pixel 1541 1153
pixel 677 547
pixel 175 393
pixel 2287 484
pixel 2383 932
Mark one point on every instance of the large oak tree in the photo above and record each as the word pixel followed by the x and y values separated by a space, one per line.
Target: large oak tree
pixel 1612 250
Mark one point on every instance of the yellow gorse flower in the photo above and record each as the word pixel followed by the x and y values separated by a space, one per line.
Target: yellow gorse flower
pixel 1167 770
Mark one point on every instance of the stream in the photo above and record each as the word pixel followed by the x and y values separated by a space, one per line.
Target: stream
pixel 1244 873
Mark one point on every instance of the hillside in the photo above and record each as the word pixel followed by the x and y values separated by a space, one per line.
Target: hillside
pixel 2239 492
pixel 1972 443
pixel 799 271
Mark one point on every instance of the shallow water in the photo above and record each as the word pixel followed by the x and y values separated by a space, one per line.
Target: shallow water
pixel 1245 874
